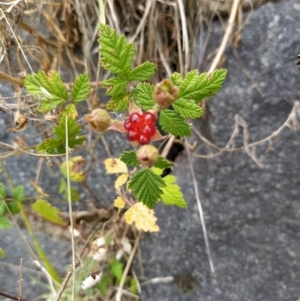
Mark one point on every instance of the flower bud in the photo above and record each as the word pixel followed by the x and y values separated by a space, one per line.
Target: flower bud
pixel 147 154
pixel 99 120
pixel 165 93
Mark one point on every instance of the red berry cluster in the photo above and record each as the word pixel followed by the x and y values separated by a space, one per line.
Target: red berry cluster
pixel 140 127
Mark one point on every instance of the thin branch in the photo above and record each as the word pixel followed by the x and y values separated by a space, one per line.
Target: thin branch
pixel 11 297
pixel 126 270
pixel 48 276
pixel 226 36
pixel 11 79
pixel 70 208
pixel 200 209
pixel 291 122
pixel 16 40
pixel 21 279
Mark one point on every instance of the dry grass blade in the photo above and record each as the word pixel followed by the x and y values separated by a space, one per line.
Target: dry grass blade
pixel 70 210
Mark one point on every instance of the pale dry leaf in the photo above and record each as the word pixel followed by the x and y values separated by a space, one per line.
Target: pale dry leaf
pixel 121 180
pixel 119 203
pixel 115 166
pixel 143 217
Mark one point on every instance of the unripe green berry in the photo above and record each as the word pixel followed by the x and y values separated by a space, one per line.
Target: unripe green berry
pixel 165 93
pixel 147 154
pixel 99 120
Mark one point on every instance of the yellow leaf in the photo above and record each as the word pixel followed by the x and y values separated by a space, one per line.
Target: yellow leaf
pixel 119 202
pixel 143 217
pixel 75 166
pixel 121 180
pixel 115 166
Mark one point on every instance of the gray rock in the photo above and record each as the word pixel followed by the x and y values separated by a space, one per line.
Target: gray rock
pixel 251 212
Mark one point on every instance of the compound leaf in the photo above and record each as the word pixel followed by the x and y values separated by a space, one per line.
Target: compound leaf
pixel 130 158
pixel 173 123
pixel 146 186
pixel 142 72
pixel 211 84
pixel 4 223
pixel 81 88
pixel 48 212
pixel 162 163
pixel 2 207
pixel 18 193
pixel 116 53
pixel 142 96
pixel 187 109
pixel 113 165
pixel 58 143
pixel 50 88
pixel 143 217
pixel 176 78
pixel 2 191
pixel 115 86
pixel 118 103
pixel 171 193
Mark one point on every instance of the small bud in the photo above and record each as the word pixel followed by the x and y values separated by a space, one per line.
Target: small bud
pixel 147 154
pixel 99 120
pixel 165 93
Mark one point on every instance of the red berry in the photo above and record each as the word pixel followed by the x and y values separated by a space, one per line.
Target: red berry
pixel 133 135
pixel 127 125
pixel 144 140
pixel 135 118
pixel 148 130
pixel 140 127
pixel 149 118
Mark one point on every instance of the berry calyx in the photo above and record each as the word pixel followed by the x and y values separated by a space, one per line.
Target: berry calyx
pixel 140 127
pixel 99 120
pixel 165 93
pixel 147 154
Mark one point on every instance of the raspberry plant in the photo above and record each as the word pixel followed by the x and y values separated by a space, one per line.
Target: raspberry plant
pixel 143 107
pixel 170 103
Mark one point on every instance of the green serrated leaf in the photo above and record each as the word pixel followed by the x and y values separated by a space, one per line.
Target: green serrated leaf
pixel 58 144
pixel 115 86
pixel 2 253
pixel 197 86
pixel 4 223
pixel 81 89
pixel 187 109
pixel 115 52
pixel 133 286
pixel 105 284
pixel 74 194
pixel 116 267
pixel 171 122
pixel 142 96
pixel 212 84
pixel 142 72
pixel 48 212
pixel 14 207
pixel 118 103
pixel 70 110
pixel 129 157
pixel 2 208
pixel 62 185
pixel 2 191
pixel 50 88
pixel 171 193
pixel 162 163
pixel 190 86
pixel 176 78
pixel 146 186
pixel 18 193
